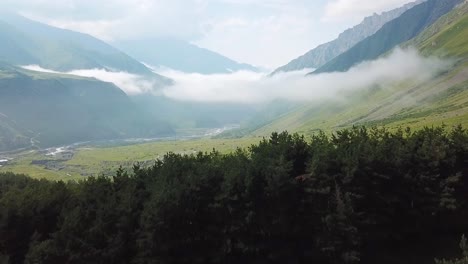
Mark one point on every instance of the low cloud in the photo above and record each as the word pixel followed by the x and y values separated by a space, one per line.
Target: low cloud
pixel 249 87
pixel 130 83
pixel 252 87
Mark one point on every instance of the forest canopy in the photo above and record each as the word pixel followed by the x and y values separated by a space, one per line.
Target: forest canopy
pixel 358 196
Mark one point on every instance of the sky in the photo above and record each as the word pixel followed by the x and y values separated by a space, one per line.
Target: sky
pixel 264 33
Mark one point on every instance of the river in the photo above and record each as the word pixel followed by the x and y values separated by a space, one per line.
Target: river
pixel 3 161
pixel 180 135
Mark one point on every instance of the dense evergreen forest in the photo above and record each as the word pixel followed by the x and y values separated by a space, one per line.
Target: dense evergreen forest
pixel 358 196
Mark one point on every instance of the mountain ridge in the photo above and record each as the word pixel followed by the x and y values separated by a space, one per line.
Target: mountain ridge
pixel 397 31
pixel 30 42
pixel 57 109
pixel 322 54
pixel 439 101
pixel 181 56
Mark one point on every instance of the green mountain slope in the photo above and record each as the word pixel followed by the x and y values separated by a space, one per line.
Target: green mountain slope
pixel 182 56
pixel 447 37
pixel 28 42
pixel 395 32
pixel 443 100
pixel 55 109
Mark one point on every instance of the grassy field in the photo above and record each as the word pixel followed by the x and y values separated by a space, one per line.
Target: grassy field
pixel 94 161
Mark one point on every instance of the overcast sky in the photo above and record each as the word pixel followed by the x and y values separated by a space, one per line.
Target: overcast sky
pixel 266 33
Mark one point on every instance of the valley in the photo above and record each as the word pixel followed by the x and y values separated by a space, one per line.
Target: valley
pixel 80 160
pixel 138 131
pixel 439 100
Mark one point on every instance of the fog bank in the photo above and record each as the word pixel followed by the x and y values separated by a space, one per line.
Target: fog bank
pixel 130 83
pixel 250 87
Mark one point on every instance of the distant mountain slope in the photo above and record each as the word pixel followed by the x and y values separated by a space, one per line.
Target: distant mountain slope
pixel 443 100
pixel 11 137
pixel 29 42
pixel 395 32
pixel 326 52
pixel 57 109
pixel 181 55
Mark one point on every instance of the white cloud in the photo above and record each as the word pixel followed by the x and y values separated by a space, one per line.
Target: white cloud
pixel 38 69
pixel 249 87
pixel 130 83
pixel 339 10
pixel 253 88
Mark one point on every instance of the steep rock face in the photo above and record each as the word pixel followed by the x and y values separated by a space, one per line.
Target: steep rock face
pixel 326 52
pixel 405 27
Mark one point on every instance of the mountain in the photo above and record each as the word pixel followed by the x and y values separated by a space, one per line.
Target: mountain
pixel 55 109
pixel 326 52
pixel 11 137
pixel 181 55
pixel 395 32
pixel 26 42
pixel 442 100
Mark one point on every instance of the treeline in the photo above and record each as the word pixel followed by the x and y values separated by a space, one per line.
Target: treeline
pixel 358 196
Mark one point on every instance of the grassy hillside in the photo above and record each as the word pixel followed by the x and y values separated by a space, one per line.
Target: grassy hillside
pixel 447 37
pixel 443 100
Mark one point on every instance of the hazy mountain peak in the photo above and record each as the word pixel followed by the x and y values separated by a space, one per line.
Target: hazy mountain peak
pixel 181 55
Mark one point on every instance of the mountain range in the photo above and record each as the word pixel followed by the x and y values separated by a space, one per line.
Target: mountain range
pixel 47 109
pixel 181 56
pixel 27 42
pixel 442 100
pixel 324 53
pixel 401 29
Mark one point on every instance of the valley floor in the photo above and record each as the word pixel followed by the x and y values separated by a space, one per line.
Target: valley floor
pixel 74 163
